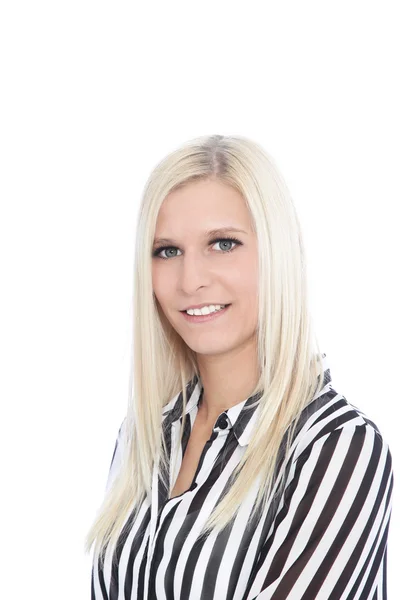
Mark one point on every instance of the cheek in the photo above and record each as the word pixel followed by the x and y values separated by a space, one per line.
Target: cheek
pixel 247 288
pixel 246 281
pixel 162 288
pixel 157 281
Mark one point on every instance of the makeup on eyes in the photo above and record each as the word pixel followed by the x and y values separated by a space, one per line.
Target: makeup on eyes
pixel 157 251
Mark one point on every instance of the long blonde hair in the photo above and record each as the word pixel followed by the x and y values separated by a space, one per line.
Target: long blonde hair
pixel 290 363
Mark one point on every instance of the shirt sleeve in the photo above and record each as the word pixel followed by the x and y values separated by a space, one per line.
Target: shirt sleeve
pixel 329 539
pixel 117 456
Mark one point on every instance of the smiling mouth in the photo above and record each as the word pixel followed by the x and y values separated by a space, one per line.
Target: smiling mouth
pixel 184 311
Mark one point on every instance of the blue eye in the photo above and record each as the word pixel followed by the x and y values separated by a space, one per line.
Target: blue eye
pixel 157 252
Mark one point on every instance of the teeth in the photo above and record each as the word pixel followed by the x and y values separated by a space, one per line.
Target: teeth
pixel 206 310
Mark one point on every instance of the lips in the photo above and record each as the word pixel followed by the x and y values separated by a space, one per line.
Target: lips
pixel 198 319
pixel 224 305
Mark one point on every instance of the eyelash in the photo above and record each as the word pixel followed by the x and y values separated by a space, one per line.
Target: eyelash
pixel 157 252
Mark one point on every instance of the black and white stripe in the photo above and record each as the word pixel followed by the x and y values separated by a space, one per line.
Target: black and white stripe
pixel 324 538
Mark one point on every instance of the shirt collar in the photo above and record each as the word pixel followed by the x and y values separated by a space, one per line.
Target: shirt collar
pixel 242 417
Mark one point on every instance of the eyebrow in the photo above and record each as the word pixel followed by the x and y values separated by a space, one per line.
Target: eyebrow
pixel 207 234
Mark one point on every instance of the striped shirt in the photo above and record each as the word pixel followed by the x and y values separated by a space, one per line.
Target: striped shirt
pixel 325 538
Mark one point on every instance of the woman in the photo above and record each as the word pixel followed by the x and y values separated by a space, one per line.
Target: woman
pixel 239 472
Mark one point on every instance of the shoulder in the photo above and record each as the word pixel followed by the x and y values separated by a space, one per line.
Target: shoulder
pixel 333 425
pixel 339 458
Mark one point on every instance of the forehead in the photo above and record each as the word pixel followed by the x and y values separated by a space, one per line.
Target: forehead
pixel 203 204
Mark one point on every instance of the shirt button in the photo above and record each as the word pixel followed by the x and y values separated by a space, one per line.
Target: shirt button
pixel 222 422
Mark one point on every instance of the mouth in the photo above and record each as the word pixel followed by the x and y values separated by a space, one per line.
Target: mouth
pixel 204 318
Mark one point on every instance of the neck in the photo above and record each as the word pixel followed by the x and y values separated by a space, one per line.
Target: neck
pixel 226 381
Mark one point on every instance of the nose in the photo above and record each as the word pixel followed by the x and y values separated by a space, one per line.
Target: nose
pixel 193 273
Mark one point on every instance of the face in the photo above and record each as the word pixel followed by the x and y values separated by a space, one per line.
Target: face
pixel 190 267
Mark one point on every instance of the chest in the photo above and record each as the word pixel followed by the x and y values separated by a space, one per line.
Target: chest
pixel 190 460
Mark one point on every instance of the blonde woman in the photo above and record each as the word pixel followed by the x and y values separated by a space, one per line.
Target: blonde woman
pixel 239 472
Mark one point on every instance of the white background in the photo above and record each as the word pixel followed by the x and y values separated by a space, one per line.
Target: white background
pixel 93 95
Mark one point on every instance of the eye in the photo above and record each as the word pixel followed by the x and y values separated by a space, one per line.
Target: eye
pixel 157 252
